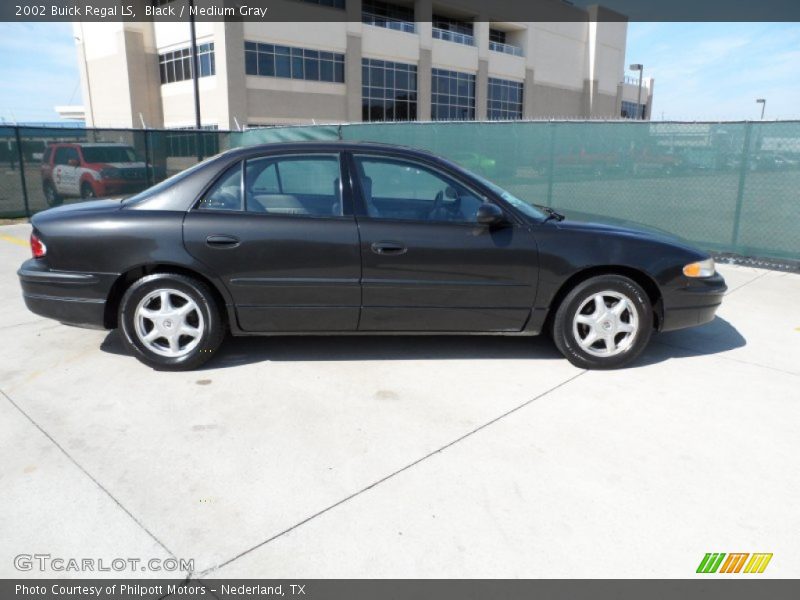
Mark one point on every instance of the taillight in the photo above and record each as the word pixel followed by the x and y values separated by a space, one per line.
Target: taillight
pixel 37 246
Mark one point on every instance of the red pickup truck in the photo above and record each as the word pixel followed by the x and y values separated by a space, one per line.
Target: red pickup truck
pixel 90 171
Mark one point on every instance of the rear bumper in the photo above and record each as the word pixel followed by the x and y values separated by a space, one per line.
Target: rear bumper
pixel 694 304
pixel 66 296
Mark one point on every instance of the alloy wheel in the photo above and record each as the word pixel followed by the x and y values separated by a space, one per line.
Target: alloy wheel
pixel 605 324
pixel 169 323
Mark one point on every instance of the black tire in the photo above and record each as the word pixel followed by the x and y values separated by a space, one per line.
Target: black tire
pixel 213 324
pixel 565 326
pixel 51 197
pixel 87 191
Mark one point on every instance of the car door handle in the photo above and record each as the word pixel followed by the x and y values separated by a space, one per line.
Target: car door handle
pixel 222 241
pixel 389 248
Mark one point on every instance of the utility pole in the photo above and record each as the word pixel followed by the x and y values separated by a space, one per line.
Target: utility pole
pixel 763 103
pixel 195 81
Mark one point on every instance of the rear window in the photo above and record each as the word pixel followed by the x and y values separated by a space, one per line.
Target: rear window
pixel 108 154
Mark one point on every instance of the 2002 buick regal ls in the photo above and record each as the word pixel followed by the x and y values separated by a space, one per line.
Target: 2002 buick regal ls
pixel 355 238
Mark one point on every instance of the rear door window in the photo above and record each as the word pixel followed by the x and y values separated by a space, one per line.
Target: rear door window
pixel 226 193
pixel 308 186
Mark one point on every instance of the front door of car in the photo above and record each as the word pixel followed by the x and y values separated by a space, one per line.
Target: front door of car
pixel 66 170
pixel 427 265
pixel 280 234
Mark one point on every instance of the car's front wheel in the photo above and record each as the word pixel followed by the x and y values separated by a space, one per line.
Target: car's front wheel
pixel 171 322
pixel 604 322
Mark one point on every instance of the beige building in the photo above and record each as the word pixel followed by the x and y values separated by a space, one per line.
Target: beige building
pixel 414 60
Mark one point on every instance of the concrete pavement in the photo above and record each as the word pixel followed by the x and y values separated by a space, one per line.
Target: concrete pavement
pixel 405 457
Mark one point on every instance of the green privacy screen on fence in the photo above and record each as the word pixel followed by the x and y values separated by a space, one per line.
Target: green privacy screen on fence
pixel 725 186
pixel 728 187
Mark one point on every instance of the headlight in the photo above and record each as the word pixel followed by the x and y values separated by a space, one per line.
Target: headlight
pixel 704 268
pixel 109 173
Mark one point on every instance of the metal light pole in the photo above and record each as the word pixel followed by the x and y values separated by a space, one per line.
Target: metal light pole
pixel 195 80
pixel 639 67
pixel 763 103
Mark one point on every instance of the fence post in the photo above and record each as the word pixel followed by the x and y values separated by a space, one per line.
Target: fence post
pixel 551 164
pixel 737 215
pixel 149 164
pixel 18 139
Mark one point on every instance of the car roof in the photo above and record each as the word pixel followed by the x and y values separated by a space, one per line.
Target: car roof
pixel 322 145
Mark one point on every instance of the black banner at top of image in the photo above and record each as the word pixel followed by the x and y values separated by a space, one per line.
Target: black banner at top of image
pixel 351 10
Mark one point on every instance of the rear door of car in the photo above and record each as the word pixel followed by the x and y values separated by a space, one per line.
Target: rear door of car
pixel 427 265
pixel 279 231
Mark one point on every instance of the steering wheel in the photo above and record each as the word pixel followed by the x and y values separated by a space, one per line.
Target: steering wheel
pixel 438 202
pixel 440 212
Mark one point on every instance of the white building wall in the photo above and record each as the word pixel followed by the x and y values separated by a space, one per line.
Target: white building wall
pixel 569 69
pixel 322 36
pixel 378 42
pixel 558 54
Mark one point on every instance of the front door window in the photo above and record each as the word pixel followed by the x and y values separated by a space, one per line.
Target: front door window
pixel 398 189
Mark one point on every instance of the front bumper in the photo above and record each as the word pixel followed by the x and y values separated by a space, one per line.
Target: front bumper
pixel 66 296
pixel 693 304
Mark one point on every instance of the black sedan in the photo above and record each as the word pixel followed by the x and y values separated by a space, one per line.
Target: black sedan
pixel 355 238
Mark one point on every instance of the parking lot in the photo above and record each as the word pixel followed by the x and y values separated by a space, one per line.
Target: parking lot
pixel 314 457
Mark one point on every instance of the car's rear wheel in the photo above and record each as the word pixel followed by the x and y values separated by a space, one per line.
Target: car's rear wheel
pixel 171 322
pixel 87 191
pixel 604 322
pixel 51 195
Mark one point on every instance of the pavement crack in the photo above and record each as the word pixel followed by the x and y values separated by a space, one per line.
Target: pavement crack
pixel 740 286
pixel 90 476
pixel 392 475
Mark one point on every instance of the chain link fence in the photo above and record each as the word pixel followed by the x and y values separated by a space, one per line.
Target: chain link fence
pixel 44 167
pixel 727 187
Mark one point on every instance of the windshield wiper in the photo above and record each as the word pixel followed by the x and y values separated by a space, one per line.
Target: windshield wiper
pixel 552 214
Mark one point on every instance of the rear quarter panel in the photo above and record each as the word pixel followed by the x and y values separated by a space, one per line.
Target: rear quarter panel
pixel 111 242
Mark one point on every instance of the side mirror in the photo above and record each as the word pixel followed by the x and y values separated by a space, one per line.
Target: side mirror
pixel 490 215
pixel 72 162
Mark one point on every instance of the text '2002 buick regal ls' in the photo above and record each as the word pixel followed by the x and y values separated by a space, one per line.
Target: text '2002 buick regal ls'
pixel 355 238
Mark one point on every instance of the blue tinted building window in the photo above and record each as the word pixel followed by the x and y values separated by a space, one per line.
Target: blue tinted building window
pixel 505 99
pixel 177 65
pixel 270 60
pixel 389 91
pixel 453 95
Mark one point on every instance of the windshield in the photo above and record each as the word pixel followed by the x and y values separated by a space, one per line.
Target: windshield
pixel 522 206
pixel 108 154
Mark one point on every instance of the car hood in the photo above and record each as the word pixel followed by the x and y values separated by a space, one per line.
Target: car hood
pixel 602 224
